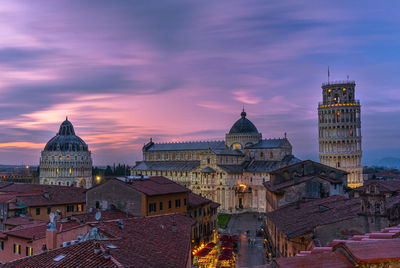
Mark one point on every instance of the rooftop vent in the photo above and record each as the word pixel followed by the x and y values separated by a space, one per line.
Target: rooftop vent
pixel 59 258
pixel 107 254
pixel 121 224
pixel 111 246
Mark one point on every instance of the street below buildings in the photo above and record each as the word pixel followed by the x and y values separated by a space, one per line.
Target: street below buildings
pixel 245 226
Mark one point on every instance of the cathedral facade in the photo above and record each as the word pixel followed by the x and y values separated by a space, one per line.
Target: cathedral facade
pixel 230 172
pixel 66 160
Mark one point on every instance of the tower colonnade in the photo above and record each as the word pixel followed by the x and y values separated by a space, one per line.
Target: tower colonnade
pixel 339 130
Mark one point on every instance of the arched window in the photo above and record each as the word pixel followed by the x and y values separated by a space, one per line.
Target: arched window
pixel 261 155
pixel 198 156
pixel 60 158
pixel 271 155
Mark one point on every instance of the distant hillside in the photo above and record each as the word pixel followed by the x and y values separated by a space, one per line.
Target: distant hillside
pixel 389 162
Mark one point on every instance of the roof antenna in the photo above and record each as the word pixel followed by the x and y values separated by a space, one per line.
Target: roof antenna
pixel 66 118
pixel 285 135
pixel 347 77
pixel 329 74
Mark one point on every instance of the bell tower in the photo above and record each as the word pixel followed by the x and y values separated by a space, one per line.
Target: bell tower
pixel 339 126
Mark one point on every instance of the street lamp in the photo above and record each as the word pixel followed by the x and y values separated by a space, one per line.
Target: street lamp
pixel 98 179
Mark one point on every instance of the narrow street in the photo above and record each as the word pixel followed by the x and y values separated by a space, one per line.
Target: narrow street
pixel 249 255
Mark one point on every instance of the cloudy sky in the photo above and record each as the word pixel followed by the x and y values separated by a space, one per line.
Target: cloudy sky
pixel 125 71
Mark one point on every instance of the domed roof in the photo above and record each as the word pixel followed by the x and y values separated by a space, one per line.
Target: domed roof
pixel 243 125
pixel 66 140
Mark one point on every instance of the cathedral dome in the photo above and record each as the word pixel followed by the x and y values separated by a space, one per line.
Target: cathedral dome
pixel 66 140
pixel 243 125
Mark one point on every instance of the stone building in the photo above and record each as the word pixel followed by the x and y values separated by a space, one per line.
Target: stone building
pixel 305 180
pixel 339 123
pixel 66 159
pixel 230 172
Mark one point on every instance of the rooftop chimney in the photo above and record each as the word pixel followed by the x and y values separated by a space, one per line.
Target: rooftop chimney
pixel 97 249
pixel 107 254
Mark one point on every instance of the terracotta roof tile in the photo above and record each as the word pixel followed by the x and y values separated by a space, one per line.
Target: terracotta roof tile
pixel 321 260
pixel 373 251
pixel 105 216
pixel 156 186
pixel 197 200
pixel 293 221
pixel 78 255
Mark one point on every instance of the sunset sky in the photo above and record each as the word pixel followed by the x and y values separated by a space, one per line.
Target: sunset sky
pixel 125 71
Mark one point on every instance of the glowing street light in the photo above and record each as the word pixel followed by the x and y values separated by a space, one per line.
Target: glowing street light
pixel 98 179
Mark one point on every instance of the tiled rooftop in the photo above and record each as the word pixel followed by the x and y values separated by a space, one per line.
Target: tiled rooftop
pixel 197 200
pixel 157 241
pixel 105 216
pixel 167 165
pixel 277 188
pixel 78 255
pixel 156 186
pixel 373 248
pixel 293 221
pixel 34 194
pixel 383 186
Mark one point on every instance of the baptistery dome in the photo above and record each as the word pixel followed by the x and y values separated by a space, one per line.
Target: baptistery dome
pixel 66 140
pixel 243 125
pixel 66 159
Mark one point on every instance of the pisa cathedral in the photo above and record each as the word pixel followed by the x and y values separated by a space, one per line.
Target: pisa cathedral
pixel 230 172
pixel 66 159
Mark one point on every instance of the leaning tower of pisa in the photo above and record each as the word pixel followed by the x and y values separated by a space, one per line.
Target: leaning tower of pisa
pixel 339 125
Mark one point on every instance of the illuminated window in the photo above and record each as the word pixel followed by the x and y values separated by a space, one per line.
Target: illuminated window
pixel 70 170
pixel 17 249
pixel 182 156
pixel 166 156
pixel 351 133
pixel 151 157
pixel 174 156
pixel 79 208
pixel 29 251
pixel 60 158
pixel 198 156
pixel 58 171
pixel 190 155
pixel 236 146
pixel 271 155
pixel 67 158
pixel 329 90
pixel 344 90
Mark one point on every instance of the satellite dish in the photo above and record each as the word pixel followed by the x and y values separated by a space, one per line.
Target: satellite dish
pixel 52 216
pixel 98 216
pixel 90 209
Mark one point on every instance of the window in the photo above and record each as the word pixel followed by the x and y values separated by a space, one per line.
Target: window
pixel 174 156
pixel 198 156
pixel 1 245
pixel 70 208
pixel 152 207
pixel 169 204
pixel 37 211
pixel 195 213
pixel 177 203
pixel 208 160
pixel 97 204
pixel 161 205
pixel 17 249
pixel 48 210
pixel 79 208
pixel 184 201
pixel 190 155
pixel 67 158
pixel 199 211
pixel 70 170
pixel 60 158
pixel 29 251
pixel 261 155
pixel 271 155
pixel 58 171
pixel 151 157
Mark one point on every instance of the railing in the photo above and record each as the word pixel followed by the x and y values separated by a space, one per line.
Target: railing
pixel 333 104
pixel 338 82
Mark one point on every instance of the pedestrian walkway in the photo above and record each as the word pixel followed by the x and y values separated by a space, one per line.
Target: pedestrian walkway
pixel 246 225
